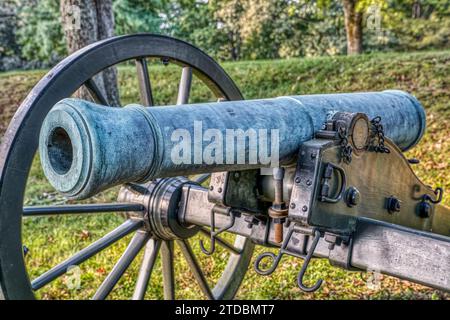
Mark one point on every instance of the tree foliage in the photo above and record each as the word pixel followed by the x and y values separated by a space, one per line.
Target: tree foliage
pixel 9 48
pixel 133 16
pixel 8 27
pixel 194 21
pixel 40 34
pixel 239 29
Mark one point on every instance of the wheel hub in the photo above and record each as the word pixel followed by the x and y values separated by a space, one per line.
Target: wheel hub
pixel 160 198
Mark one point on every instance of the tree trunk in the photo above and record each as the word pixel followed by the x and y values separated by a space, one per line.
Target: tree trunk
pixel 416 10
pixel 234 42
pixel 85 22
pixel 353 27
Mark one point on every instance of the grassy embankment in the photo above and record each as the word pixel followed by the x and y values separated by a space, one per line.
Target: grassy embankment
pixel 426 75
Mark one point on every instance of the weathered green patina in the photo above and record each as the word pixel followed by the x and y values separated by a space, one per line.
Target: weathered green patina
pixel 86 148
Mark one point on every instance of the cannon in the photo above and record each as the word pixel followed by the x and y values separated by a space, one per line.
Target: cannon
pixel 86 147
pixel 314 176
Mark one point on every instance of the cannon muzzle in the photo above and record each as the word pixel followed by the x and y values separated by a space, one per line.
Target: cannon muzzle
pixel 86 148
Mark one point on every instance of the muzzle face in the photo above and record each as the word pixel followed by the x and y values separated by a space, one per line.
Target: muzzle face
pixel 65 150
pixel 86 148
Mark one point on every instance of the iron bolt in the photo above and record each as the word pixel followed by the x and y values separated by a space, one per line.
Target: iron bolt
pixel 25 250
pixel 308 182
pixel 353 197
pixel 331 239
pixel 165 61
pixel 393 204
pixel 292 205
pixel 219 190
pixel 424 209
pixel 305 208
pixel 251 220
pixel 297 180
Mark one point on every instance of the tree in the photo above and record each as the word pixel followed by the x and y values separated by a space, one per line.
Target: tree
pixel 40 34
pixel 134 16
pixel 32 36
pixel 229 17
pixel 355 11
pixel 353 26
pixel 85 22
pixel 418 25
pixel 195 22
pixel 264 27
pixel 9 48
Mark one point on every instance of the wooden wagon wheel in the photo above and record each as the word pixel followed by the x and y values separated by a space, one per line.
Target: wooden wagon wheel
pixel 19 148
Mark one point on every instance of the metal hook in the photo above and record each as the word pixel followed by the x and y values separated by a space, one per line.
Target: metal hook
pixel 283 250
pixel 276 258
pixel 308 257
pixel 214 234
pixel 438 192
pixel 212 243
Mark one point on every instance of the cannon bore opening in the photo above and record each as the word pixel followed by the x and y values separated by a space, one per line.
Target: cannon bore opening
pixel 60 150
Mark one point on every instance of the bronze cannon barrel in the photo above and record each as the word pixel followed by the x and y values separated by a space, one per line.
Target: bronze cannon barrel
pixel 86 148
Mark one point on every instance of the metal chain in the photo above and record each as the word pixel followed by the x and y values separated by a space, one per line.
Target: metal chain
pixel 378 135
pixel 346 148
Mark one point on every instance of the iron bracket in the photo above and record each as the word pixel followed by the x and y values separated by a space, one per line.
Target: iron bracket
pixel 213 232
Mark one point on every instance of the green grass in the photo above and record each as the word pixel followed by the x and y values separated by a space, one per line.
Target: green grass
pixel 50 240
